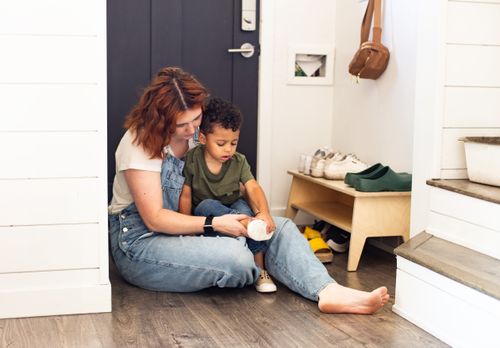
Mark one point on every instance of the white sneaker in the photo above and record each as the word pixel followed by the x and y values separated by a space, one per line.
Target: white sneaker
pixel 318 169
pixel 319 160
pixel 265 283
pixel 337 170
pixel 318 155
pixel 334 157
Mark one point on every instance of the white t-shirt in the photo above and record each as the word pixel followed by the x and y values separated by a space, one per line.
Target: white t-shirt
pixel 129 156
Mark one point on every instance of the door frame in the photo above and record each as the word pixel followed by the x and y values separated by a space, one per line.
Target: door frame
pixel 265 99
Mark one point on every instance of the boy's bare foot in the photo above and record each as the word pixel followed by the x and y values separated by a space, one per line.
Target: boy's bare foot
pixel 335 298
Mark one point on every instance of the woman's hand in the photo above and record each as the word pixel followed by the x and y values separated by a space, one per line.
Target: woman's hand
pixel 230 224
pixel 268 220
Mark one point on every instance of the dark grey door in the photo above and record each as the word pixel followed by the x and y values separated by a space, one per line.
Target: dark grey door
pixel 144 36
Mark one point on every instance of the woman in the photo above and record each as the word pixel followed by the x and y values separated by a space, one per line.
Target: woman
pixel 156 248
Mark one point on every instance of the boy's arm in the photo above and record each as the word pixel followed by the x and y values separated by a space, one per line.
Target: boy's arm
pixel 258 202
pixel 185 200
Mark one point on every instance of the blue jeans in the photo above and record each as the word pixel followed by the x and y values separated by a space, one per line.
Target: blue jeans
pixel 216 208
pixel 162 262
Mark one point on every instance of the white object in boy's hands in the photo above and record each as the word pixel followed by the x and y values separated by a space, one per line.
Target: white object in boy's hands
pixel 257 230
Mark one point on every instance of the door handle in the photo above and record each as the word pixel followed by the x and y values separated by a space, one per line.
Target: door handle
pixel 247 50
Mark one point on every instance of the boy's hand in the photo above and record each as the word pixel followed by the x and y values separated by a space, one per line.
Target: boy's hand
pixel 268 219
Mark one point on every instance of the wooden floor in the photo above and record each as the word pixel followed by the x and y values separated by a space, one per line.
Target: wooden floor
pixel 227 318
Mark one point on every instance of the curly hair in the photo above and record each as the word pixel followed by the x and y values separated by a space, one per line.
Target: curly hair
pixel 153 119
pixel 221 112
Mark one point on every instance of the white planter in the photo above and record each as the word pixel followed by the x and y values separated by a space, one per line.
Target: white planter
pixel 483 159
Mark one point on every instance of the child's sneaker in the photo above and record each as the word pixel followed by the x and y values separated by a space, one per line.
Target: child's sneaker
pixel 265 283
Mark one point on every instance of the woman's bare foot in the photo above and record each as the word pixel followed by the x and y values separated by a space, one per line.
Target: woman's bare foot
pixel 336 298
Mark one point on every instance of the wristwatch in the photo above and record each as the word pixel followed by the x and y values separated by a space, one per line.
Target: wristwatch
pixel 207 226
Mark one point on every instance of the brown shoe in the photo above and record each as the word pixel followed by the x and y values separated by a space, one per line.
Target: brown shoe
pixel 265 283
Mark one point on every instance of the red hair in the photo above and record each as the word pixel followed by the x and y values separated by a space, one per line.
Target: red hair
pixel 153 119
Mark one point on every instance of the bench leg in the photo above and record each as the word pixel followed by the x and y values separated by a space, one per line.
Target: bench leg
pixel 291 212
pixel 406 236
pixel 355 249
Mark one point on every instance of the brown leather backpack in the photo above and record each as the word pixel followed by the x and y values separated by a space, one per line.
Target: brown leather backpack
pixel 371 59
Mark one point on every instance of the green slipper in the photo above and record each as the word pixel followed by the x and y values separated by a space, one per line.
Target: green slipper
pixel 353 178
pixel 388 180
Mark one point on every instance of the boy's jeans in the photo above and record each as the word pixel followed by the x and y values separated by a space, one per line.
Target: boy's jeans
pixel 216 208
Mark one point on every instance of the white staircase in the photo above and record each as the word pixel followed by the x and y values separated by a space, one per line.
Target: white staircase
pixel 448 277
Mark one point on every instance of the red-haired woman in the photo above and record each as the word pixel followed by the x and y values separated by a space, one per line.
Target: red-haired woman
pixel 157 248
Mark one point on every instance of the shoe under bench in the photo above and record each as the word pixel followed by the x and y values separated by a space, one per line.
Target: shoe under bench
pixel 362 214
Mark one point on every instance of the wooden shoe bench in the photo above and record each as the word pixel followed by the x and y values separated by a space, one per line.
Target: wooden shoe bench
pixel 362 214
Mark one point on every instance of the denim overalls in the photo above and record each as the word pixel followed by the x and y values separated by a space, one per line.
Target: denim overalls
pixel 162 262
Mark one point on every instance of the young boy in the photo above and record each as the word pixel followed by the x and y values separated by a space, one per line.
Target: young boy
pixel 214 172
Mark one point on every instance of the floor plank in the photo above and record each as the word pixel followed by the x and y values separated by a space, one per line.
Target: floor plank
pixel 228 318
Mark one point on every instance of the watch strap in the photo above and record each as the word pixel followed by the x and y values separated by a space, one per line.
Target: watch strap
pixel 207 226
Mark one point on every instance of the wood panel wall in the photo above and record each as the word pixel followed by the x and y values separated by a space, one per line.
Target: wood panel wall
pixel 53 192
pixel 472 79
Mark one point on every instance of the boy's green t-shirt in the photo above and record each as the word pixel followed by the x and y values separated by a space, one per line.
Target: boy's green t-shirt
pixel 224 187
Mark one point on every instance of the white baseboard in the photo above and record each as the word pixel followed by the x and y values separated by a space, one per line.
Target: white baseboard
pixel 456 314
pixel 420 324
pixel 55 301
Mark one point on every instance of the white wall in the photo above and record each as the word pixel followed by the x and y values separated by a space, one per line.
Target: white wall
pixel 374 119
pixel 293 119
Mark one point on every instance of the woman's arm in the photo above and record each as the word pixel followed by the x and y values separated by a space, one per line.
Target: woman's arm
pixel 147 194
pixel 258 202
pixel 185 200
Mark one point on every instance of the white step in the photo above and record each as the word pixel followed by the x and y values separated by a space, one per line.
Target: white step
pixel 448 290
pixel 467 214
